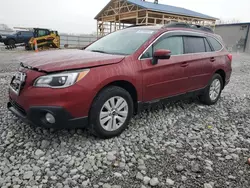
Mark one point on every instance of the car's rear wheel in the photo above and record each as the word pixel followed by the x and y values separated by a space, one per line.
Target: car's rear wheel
pixel 111 112
pixel 11 42
pixel 213 91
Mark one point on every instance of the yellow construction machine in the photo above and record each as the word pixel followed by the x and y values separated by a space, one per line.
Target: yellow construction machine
pixel 44 38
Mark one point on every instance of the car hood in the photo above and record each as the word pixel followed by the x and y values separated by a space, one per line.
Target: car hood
pixel 7 34
pixel 58 60
pixel 4 35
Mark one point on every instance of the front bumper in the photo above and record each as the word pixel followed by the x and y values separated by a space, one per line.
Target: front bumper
pixel 36 116
pixel 2 40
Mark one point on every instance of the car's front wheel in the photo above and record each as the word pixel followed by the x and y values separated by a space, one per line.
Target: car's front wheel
pixel 213 91
pixel 111 112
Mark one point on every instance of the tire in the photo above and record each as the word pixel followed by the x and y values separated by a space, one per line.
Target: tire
pixel 11 42
pixel 206 97
pixel 100 104
pixel 27 48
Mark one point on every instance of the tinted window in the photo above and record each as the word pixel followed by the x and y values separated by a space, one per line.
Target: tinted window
pixel 216 45
pixel 125 41
pixel 194 45
pixel 174 44
pixel 208 48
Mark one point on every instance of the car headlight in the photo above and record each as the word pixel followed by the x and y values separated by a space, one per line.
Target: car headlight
pixel 60 80
pixel 4 37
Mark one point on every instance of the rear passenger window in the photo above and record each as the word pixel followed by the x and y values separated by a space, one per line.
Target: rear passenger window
pixel 208 48
pixel 26 33
pixel 194 45
pixel 216 45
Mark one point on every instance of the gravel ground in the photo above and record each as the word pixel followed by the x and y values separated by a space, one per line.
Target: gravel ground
pixel 182 145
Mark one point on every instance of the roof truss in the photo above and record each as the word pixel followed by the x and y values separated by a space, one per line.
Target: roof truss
pixel 119 13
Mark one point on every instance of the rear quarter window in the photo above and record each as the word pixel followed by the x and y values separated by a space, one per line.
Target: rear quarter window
pixel 215 44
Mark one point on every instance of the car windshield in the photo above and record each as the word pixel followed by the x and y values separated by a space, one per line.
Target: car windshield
pixel 124 42
pixel 13 33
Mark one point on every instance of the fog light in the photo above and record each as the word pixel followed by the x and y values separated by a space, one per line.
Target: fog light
pixel 50 118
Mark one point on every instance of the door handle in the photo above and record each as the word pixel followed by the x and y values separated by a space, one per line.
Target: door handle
pixel 185 64
pixel 212 59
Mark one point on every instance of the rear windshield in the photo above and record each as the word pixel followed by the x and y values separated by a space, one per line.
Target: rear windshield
pixel 124 42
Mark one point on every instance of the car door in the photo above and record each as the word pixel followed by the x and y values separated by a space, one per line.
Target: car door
pixel 20 37
pixel 169 76
pixel 27 36
pixel 199 60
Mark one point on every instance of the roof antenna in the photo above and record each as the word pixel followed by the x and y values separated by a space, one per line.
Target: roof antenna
pixel 156 2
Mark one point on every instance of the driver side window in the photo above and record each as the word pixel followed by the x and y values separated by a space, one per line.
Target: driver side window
pixel 174 44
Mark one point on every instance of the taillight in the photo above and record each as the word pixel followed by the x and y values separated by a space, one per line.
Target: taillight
pixel 230 57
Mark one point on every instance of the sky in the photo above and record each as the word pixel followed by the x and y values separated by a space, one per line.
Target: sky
pixel 77 16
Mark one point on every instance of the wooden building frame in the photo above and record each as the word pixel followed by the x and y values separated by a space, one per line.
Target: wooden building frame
pixel 118 14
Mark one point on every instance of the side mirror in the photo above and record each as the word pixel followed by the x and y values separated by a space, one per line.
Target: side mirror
pixel 160 54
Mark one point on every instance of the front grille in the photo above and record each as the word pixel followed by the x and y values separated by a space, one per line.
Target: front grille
pixel 18 107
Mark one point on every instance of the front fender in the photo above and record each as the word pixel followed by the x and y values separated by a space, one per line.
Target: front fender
pixel 111 80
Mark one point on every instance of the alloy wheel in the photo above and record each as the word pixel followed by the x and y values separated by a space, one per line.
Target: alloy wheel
pixel 215 89
pixel 113 113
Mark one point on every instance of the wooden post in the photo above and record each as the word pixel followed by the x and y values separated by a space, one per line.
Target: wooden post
pixel 214 25
pixel 97 33
pixel 146 17
pixel 119 5
pixel 137 15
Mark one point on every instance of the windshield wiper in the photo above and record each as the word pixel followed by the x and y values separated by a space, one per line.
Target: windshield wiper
pixel 114 53
pixel 32 68
pixel 99 51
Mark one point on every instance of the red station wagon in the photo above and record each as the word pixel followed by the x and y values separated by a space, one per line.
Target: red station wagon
pixel 102 86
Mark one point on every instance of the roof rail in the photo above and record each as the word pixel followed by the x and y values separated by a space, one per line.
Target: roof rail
pixel 191 26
